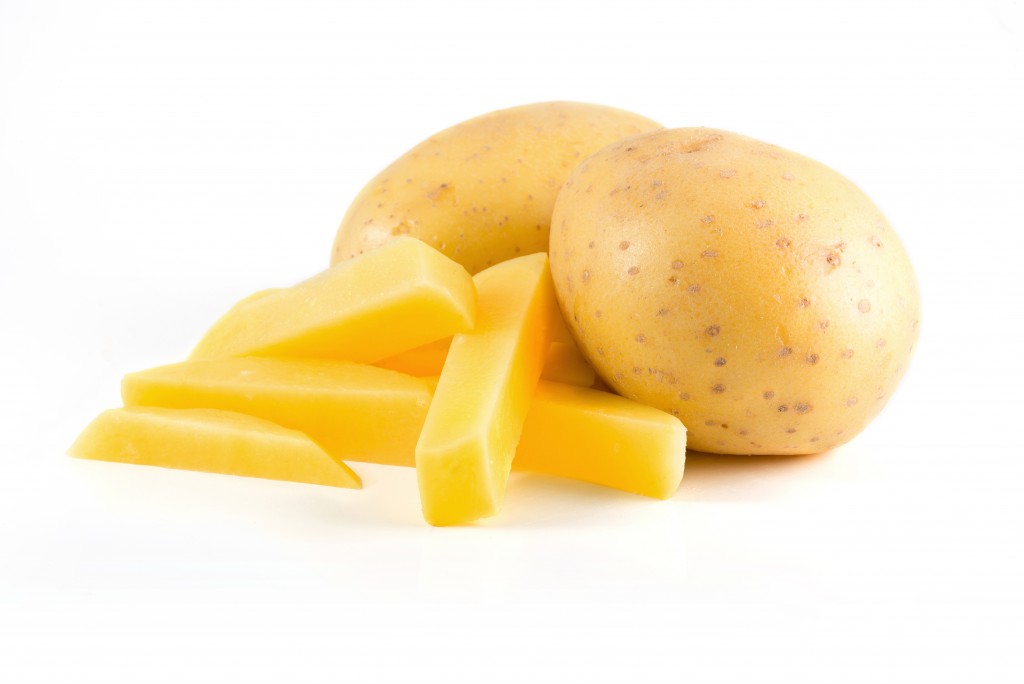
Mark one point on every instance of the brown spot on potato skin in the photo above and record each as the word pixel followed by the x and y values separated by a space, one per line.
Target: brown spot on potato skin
pixel 784 352
pixel 802 408
pixel 624 245
pixel 641 338
pixel 720 361
pixel 677 264
pixel 783 243
pixel 586 276
pixel 712 330
pixel 633 270
pixel 769 395
pixel 852 401
pixel 864 306
pixel 709 254
pixel 812 359
pixel 718 389
pixel 847 354
pixel 782 408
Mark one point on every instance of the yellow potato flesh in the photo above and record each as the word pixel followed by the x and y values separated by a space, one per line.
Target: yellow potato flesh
pixel 209 441
pixel 391 299
pixel 562 363
pixel 363 413
pixel 469 438
pixel 354 412
pixel 482 191
pixel 757 294
pixel 602 438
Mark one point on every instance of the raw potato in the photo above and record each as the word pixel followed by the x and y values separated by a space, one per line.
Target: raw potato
pixel 469 438
pixel 354 412
pixel 757 294
pixel 482 191
pixel 387 301
pixel 594 436
pixel 210 441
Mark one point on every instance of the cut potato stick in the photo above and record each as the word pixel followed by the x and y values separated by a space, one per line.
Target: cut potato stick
pixel 210 441
pixel 597 437
pixel 562 362
pixel 469 438
pixel 355 412
pixel 397 297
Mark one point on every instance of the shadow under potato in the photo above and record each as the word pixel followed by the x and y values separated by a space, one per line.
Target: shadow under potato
pixel 723 477
pixel 535 498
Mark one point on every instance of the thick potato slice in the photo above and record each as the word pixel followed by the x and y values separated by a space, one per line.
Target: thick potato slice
pixel 400 296
pixel 597 437
pixel 469 438
pixel 210 441
pixel 482 191
pixel 355 412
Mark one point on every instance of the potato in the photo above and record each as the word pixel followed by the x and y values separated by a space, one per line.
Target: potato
pixel 755 293
pixel 482 192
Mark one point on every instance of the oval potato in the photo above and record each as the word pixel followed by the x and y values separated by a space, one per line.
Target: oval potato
pixel 482 191
pixel 753 292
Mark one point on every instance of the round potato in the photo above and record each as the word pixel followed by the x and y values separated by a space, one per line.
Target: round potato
pixel 755 293
pixel 482 192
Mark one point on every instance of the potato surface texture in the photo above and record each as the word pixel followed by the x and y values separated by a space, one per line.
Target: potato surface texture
pixel 482 191
pixel 756 294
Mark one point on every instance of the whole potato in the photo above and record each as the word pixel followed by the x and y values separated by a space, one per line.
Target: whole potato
pixel 753 292
pixel 482 192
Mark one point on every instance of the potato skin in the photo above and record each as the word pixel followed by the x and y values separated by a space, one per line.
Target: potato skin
pixel 753 292
pixel 482 191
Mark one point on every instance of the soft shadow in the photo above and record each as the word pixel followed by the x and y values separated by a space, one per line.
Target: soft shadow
pixel 718 477
pixel 534 499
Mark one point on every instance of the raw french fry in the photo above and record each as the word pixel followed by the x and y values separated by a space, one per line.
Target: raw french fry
pixel 465 452
pixel 210 441
pixel 397 297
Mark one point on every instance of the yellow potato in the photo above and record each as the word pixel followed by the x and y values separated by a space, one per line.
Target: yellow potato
pixel 755 293
pixel 482 191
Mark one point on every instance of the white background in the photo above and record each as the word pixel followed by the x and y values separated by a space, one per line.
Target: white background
pixel 159 160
